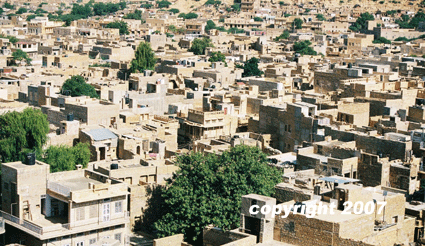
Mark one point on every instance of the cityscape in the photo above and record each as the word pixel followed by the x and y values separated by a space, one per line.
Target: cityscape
pixel 212 122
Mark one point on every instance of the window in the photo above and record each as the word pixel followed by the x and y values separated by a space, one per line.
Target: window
pixel 106 211
pixel 93 213
pixel 6 186
pixel 80 214
pixel 92 241
pixel 81 243
pixel 118 237
pixel 118 207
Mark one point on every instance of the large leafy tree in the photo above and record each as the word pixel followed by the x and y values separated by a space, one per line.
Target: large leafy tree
pixel 298 23
pixel 21 132
pixel 381 40
pixel 303 48
pixel 199 45
pixel 208 189
pixel 250 68
pixel 19 55
pixel 120 25
pixel 284 35
pixel 144 58
pixel 217 56
pixel 361 22
pixel 77 86
pixel 64 158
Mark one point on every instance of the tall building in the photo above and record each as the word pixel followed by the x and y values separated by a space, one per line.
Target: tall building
pixel 73 208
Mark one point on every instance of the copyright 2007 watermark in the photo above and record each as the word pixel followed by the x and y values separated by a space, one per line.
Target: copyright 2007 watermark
pixel 320 208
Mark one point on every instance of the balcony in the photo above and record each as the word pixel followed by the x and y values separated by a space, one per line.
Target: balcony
pixel 51 227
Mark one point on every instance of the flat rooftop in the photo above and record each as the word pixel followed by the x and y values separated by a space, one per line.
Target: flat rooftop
pixel 76 184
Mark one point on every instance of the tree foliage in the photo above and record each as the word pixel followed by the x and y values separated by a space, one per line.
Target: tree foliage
pixel 77 86
pixel 174 11
pixel 8 6
pixel 136 15
pixel 284 35
pixel 19 55
pixel 320 17
pixel 212 2
pixel 105 8
pixel 120 25
pixel 361 22
pixel 21 132
pixel 256 18
pixel 163 4
pixel 298 23
pixel 144 58
pixel 83 11
pixel 217 57
pixel 250 68
pixel 402 39
pixel 208 189
pixel 64 158
pixel 199 45
pixel 12 39
pixel 210 25
pixel 21 10
pixel 381 40
pixel 188 16
pixel 303 48
pixel 236 7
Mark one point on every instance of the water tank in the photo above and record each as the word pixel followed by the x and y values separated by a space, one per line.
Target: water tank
pixel 70 117
pixel 114 166
pixel 350 65
pixel 30 159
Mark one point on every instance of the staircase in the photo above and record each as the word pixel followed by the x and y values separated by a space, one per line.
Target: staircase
pixel 27 210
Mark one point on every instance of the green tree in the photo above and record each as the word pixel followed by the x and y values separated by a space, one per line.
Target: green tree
pixel 419 17
pixel 82 11
pixel 320 17
pixel 207 189
pixel 256 18
pixel 235 30
pixel 136 15
pixel 64 158
pixel 199 45
pixel 361 22
pixel 174 11
pixel 191 16
pixel 8 6
pixel 210 25
pixel 12 39
pixel 21 132
pixel 218 57
pixel 303 48
pixel 402 39
pixel 19 55
pixel 298 23
pixel 144 58
pixel 172 28
pixel 381 40
pixel 236 7
pixel 21 10
pixel 281 3
pixel 77 86
pixel 250 68
pixel 146 6
pixel 284 35
pixel 163 4
pixel 121 25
